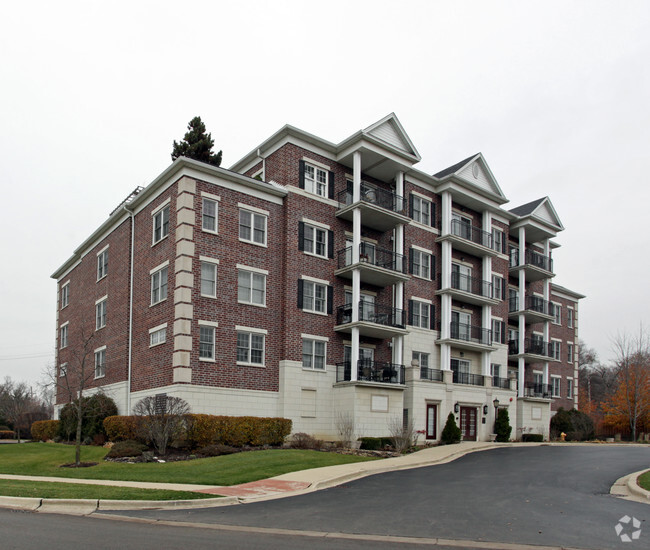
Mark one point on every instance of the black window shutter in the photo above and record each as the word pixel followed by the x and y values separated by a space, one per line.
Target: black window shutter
pixel 300 292
pixel 410 321
pixel 503 288
pixel 301 175
pixel 503 332
pixel 433 215
pixel 301 236
pixel 433 267
pixel 330 181
pixel 330 244
pixel 411 261
pixel 411 206
pixel 330 299
pixel 432 317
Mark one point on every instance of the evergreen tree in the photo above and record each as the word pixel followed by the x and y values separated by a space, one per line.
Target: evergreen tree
pixel 451 432
pixel 502 426
pixel 196 144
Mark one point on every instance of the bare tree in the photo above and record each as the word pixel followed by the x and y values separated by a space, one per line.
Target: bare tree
pixel 163 419
pixel 401 433
pixel 16 402
pixel 345 428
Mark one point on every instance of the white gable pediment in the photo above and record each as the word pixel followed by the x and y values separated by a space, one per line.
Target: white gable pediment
pixel 389 130
pixel 547 213
pixel 478 173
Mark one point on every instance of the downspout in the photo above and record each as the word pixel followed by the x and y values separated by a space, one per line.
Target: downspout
pixel 128 377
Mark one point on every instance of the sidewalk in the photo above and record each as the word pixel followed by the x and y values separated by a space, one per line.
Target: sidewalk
pixel 290 484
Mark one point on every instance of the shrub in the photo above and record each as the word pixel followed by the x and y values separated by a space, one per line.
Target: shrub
pixel 161 419
pixel 532 438
pixel 575 424
pixel 217 450
pixel 451 432
pixel 401 433
pixel 370 443
pixel 44 430
pixel 7 434
pixel 237 431
pixel 302 440
pixel 123 449
pixel 120 428
pixel 95 409
pixel 502 426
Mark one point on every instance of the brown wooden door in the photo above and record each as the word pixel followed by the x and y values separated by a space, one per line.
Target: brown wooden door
pixel 432 422
pixel 468 423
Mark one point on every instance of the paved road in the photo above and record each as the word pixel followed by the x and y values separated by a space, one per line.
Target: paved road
pixel 549 495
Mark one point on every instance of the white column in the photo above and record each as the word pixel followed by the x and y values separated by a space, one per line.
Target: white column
pixel 354 355
pixel 398 248
pixel 521 365
pixel 446 212
pixel 486 275
pixel 522 306
pixel 356 274
pixel 445 357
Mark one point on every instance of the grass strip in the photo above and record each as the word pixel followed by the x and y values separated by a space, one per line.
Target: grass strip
pixel 644 481
pixel 43 489
pixel 44 459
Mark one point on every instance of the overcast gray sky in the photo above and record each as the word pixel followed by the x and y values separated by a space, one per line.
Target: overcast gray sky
pixel 555 94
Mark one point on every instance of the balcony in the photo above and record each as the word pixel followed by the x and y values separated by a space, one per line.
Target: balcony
pixel 535 349
pixel 381 209
pixel 536 309
pixel 434 375
pixel 470 239
pixel 468 378
pixel 375 320
pixel 371 371
pixel 534 389
pixel 469 337
pixel 502 383
pixel 536 265
pixel 377 266
pixel 471 290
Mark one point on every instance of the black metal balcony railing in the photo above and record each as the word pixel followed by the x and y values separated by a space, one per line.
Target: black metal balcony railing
pixel 372 194
pixel 534 389
pixel 371 371
pixel 533 303
pixel 468 378
pixel 532 258
pixel 474 285
pixel 471 233
pixel 470 333
pixel 534 346
pixel 372 313
pixel 434 375
pixel 379 257
pixel 502 383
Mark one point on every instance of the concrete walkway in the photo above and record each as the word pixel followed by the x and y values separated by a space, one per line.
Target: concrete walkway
pixel 290 484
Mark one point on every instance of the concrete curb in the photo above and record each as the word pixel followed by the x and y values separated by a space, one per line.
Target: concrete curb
pixel 20 503
pixel 634 487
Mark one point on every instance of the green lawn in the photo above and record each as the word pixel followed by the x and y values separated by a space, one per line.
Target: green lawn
pixel 644 481
pixel 14 488
pixel 44 459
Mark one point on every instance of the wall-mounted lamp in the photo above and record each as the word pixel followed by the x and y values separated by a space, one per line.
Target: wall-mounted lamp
pixel 485 409
pixel 456 407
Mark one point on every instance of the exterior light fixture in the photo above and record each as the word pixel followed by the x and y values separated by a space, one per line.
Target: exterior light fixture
pixel 456 407
pixel 485 409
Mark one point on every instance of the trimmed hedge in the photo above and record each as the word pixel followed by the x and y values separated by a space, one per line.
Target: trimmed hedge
pixel 375 443
pixel 44 430
pixel 532 438
pixel 203 430
pixel 7 434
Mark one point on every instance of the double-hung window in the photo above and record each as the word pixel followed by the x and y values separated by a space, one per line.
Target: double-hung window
pixel 421 210
pixel 569 353
pixel 206 342
pixel 160 224
pixel 65 295
pixel 209 215
pixel 159 285
pixel 63 340
pixel 314 297
pixel 251 287
pixel 209 279
pixel 557 312
pixel 497 240
pixel 497 330
pixel 556 349
pixel 315 180
pixel 250 348
pixel 569 388
pixel 421 358
pixel 100 362
pixel 315 240
pixel 252 227
pixel 102 264
pixel 313 354
pixel 421 263
pixel 569 317
pixel 555 386
pixel 100 313
pixel 497 287
pixel 420 314
pixel 158 335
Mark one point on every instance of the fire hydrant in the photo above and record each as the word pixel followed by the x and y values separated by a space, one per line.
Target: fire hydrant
pixel 563 436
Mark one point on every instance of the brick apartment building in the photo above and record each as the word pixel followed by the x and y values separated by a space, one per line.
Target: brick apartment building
pixel 315 279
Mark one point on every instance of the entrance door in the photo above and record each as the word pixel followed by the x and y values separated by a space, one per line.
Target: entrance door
pixel 461 277
pixel 468 423
pixel 432 422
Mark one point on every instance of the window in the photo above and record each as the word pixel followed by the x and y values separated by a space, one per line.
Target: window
pixel 160 224
pixel 569 317
pixel 157 335
pixel 100 362
pixel 555 383
pixel 569 354
pixel 569 388
pixel 251 288
pixel 421 358
pixel 420 314
pixel 314 297
pixel 498 288
pixel 206 342
pixel 209 215
pixel 102 264
pixel 65 295
pixel 315 240
pixel 63 370
pixel 421 263
pixel 100 314
pixel 498 242
pixel 209 279
pixel 461 325
pixel 557 312
pixel 250 348
pixel 538 378
pixel 497 331
pixel 252 227
pixel 313 354
pixel 495 370
pixel 64 336
pixel 159 286
pixel 421 210
pixel 315 180
pixel 461 277
pixel 556 349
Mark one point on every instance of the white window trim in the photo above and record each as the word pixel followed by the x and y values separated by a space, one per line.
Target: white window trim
pixel 251 331
pixel 103 249
pixel 423 251
pixel 65 285
pixel 316 224
pixel 316 164
pixel 324 228
pixel 425 300
pixel 253 269
pixel 63 370
pixel 158 268
pixel 102 348
pixel 314 282
pixel 157 329
pixel 98 255
pixel 258 211
pixel 154 213
pixel 161 206
pixel 315 339
pixel 254 209
pixel 215 262
pixel 214 198
pixel 61 327
pixel 97 303
pixel 205 195
pixel 461 214
pixel 259 272
pixel 427 303
pixel 213 325
pixel 151 285
pixel 559 387
pixel 554 321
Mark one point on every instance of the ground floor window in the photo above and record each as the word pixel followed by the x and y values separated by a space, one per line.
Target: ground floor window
pixel 432 422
